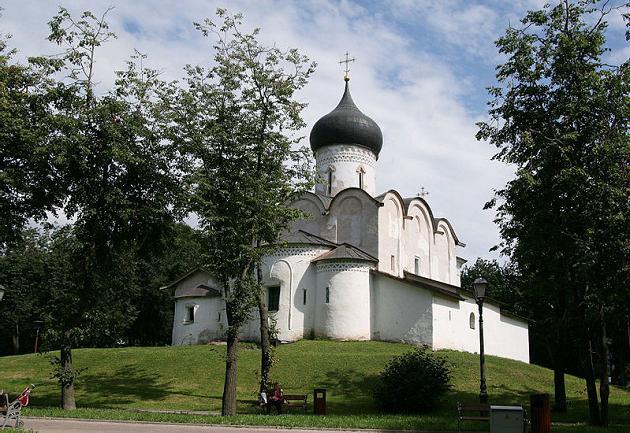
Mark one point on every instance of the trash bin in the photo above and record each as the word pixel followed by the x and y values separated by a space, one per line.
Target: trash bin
pixel 319 401
pixel 540 413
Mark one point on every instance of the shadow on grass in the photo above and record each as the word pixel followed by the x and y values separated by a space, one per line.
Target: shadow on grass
pixel 125 385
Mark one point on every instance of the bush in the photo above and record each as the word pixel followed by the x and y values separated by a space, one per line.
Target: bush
pixel 413 382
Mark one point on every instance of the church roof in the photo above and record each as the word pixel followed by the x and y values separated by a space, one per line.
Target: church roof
pixel 303 237
pixel 196 292
pixel 346 124
pixel 346 251
pixel 438 287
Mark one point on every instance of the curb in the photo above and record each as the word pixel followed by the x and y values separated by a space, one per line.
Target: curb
pixel 239 426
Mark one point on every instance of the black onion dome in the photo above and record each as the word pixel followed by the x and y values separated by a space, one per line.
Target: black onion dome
pixel 346 124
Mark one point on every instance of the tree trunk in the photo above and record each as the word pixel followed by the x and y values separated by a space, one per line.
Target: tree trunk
pixel 265 344
pixel 15 340
pixel 67 379
pixel 591 388
pixel 559 389
pixel 604 388
pixel 228 404
pixel 556 354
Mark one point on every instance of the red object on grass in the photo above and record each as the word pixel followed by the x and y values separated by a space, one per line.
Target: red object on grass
pixel 24 398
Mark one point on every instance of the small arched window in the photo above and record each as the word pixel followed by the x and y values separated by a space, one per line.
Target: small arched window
pixel 472 320
pixel 330 179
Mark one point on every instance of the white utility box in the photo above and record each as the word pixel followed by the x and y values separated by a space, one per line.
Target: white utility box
pixel 506 419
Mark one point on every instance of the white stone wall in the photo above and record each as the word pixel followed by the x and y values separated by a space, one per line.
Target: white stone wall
pixel 402 311
pixel 291 269
pixel 209 324
pixel 503 335
pixel 347 314
pixel 345 161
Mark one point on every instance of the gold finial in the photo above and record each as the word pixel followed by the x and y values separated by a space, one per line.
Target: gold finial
pixel 347 61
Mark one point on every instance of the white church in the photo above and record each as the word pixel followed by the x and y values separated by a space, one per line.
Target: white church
pixel 362 266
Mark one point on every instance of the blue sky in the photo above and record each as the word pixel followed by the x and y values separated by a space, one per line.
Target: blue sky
pixel 421 72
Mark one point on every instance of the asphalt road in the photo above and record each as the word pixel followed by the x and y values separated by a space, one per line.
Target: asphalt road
pixel 42 425
pixel 70 426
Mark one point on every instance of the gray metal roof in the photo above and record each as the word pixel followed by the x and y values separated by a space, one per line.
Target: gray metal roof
pixel 346 124
pixel 196 292
pixel 346 251
pixel 303 237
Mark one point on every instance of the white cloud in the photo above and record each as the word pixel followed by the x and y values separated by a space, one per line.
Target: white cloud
pixel 410 90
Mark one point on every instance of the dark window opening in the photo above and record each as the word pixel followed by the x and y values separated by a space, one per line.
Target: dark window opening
pixel 327 295
pixel 304 297
pixel 472 320
pixel 190 314
pixel 273 300
pixel 361 179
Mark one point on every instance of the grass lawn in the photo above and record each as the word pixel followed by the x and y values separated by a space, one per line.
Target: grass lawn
pixel 117 381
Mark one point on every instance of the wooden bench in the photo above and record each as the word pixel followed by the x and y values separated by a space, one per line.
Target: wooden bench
pixel 299 399
pixel 290 400
pixel 472 412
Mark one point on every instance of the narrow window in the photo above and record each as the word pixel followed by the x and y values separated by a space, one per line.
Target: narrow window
pixel 361 172
pixel 327 295
pixel 304 297
pixel 219 319
pixel 273 298
pixel 329 181
pixel 190 313
pixel 416 265
pixel 393 260
pixel 449 315
pixel 472 320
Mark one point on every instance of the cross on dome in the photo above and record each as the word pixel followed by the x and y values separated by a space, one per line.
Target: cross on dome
pixel 347 61
pixel 423 193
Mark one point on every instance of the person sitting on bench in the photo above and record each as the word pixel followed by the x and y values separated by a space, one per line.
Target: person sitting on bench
pixel 276 399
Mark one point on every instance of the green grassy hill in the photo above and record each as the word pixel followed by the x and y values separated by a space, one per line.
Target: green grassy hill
pixel 191 377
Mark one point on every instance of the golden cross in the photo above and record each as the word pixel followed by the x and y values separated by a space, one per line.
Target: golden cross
pixel 347 69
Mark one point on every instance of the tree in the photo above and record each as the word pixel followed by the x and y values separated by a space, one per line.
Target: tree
pixel 504 282
pixel 179 250
pixel 23 271
pixel 28 185
pixel 560 115
pixel 236 123
pixel 120 188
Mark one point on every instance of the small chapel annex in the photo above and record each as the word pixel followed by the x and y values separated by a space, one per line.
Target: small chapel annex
pixel 362 266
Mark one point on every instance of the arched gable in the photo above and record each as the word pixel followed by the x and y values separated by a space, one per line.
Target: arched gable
pixel 354 213
pixel 451 230
pixel 313 199
pixel 418 237
pixel 445 251
pixel 312 205
pixel 390 232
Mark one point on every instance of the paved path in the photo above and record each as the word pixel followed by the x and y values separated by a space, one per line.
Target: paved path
pixel 43 425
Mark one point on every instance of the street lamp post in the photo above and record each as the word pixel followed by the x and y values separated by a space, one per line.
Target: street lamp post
pixel 479 288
